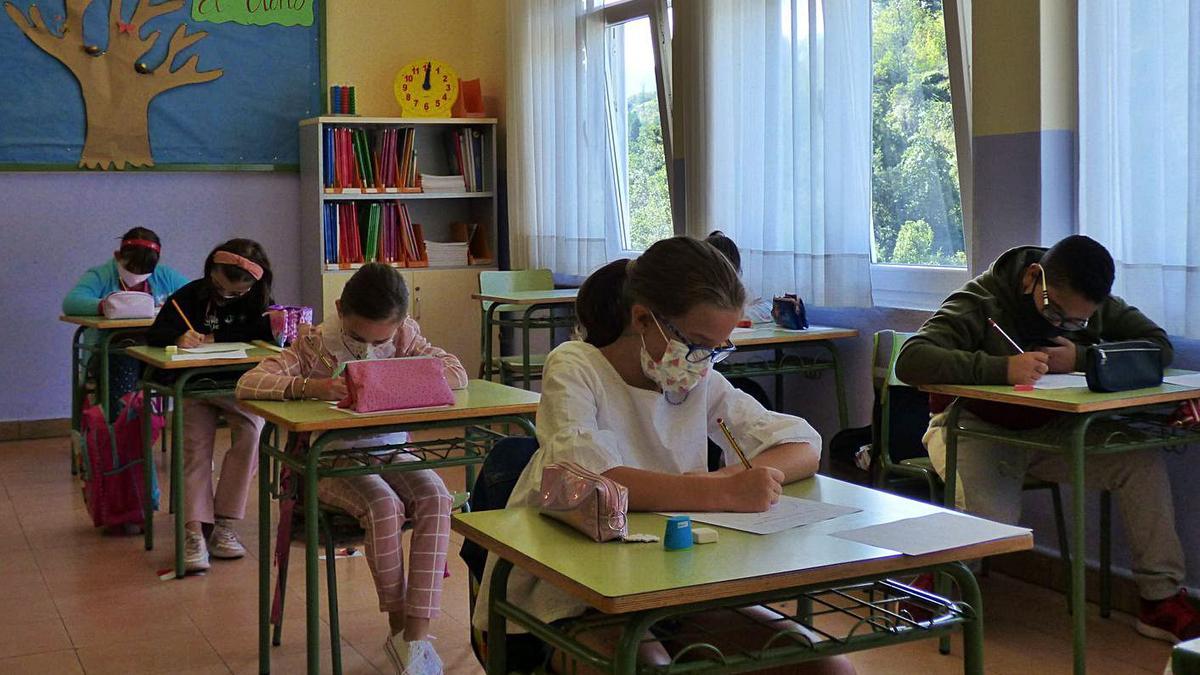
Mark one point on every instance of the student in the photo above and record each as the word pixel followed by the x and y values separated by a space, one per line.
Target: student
pixel 133 267
pixel 373 322
pixel 636 400
pixel 758 310
pixel 1053 303
pixel 229 304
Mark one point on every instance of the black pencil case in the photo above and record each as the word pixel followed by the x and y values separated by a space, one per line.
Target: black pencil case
pixel 1121 366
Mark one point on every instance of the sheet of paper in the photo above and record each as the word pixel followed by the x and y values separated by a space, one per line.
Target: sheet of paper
pixel 789 512
pixel 217 347
pixel 1061 381
pixel 334 405
pixel 1189 380
pixel 739 330
pixel 927 534
pixel 209 356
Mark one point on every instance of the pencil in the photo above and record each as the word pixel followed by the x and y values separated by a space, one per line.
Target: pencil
pixel 182 315
pixel 734 444
pixel 1000 330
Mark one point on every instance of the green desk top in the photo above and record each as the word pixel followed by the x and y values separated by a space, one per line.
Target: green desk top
pixel 102 323
pixel 561 296
pixel 157 357
pixel 619 577
pixel 481 398
pixel 1073 400
pixel 770 335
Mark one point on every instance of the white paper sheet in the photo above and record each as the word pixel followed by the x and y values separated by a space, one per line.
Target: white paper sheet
pixel 217 347
pixel 789 512
pixel 927 534
pixel 1061 381
pixel 334 405
pixel 209 356
pixel 1189 380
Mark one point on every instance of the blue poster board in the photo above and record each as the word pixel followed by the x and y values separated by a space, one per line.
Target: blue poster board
pixel 248 116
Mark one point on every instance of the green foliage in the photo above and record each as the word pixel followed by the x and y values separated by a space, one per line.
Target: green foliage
pixel 649 200
pixel 916 210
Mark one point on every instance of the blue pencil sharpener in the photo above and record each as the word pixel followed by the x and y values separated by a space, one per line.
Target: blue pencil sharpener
pixel 678 534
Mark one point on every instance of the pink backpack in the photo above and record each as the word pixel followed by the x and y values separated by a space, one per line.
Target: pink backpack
pixel 111 462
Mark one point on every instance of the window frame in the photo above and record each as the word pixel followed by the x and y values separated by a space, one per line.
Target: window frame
pixel 616 14
pixel 925 287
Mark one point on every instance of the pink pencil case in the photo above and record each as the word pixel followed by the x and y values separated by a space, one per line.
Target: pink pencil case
pixel 396 384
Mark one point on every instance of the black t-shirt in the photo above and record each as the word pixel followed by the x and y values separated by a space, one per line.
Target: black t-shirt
pixel 238 320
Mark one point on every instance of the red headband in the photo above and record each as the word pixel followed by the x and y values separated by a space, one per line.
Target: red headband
pixel 143 243
pixel 227 258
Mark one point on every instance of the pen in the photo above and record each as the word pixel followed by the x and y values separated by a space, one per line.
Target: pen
pixel 1000 330
pixel 734 444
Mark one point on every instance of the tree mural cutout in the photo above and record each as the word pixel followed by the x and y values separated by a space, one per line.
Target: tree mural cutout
pixel 117 85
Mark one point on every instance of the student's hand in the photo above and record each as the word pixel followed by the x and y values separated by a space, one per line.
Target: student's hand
pixel 1027 368
pixel 753 490
pixel 1062 357
pixel 328 388
pixel 191 339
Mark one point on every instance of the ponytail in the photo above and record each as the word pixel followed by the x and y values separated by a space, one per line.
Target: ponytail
pixel 601 307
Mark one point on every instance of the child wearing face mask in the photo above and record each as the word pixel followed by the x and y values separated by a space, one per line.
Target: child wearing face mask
pixel 372 323
pixel 229 304
pixel 636 400
pixel 133 267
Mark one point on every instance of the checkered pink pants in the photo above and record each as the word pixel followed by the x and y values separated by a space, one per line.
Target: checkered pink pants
pixel 382 503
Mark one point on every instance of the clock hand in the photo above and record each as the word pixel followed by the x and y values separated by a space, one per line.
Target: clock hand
pixel 426 86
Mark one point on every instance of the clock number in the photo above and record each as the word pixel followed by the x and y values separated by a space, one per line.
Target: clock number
pixel 404 87
pixel 447 87
pixel 445 78
pixel 437 104
pixel 427 105
pixel 408 97
pixel 408 78
pixel 445 97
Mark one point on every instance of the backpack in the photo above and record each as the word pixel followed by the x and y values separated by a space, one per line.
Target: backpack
pixel 112 462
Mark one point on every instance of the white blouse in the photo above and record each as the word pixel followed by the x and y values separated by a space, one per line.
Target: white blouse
pixel 590 416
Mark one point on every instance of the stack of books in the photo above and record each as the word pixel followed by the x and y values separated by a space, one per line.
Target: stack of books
pixel 432 183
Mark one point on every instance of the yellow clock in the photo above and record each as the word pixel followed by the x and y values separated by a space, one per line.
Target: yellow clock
pixel 426 88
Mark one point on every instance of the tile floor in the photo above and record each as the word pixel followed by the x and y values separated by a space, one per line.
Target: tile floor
pixel 72 600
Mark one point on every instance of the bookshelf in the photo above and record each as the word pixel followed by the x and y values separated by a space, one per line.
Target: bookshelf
pixel 355 210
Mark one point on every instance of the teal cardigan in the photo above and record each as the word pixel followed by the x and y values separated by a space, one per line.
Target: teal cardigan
pixel 98 282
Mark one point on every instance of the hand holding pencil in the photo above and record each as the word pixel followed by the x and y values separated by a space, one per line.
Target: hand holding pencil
pixel 192 338
pixel 1026 368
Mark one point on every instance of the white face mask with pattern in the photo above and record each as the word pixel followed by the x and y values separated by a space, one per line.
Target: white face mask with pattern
pixel 673 373
pixel 345 348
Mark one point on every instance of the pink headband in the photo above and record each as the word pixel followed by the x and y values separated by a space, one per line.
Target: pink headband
pixel 226 258
pixel 144 243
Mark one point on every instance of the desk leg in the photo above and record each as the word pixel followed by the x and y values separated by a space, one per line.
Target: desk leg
pixel 843 415
pixel 148 469
pixel 950 488
pixel 497 655
pixel 76 394
pixel 973 629
pixel 525 346
pixel 177 450
pixel 778 382
pixel 264 550
pixel 1078 560
pixel 106 340
pixel 488 318
pixel 312 543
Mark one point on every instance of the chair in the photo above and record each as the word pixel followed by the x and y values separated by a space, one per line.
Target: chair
pixel 511 367
pixel 917 466
pixel 494 485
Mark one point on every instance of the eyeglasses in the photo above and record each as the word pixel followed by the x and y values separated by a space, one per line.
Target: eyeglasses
pixel 1053 314
pixel 225 293
pixel 697 353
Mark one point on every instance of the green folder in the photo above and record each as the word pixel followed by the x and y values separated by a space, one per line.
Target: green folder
pixel 372 247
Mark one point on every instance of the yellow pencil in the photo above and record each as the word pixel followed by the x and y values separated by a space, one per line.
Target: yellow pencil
pixel 182 315
pixel 736 448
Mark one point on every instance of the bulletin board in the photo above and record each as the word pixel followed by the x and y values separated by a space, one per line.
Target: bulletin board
pixel 267 53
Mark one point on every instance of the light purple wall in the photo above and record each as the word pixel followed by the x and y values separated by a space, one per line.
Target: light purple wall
pixel 56 225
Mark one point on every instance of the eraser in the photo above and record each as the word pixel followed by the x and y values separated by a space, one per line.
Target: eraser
pixel 1022 387
pixel 704 535
pixel 171 349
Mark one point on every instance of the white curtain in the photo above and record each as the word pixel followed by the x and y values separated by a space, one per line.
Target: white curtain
pixel 773 101
pixel 1139 150
pixel 559 181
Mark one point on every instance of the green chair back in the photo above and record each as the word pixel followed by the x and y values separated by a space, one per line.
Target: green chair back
pixel 886 350
pixel 515 280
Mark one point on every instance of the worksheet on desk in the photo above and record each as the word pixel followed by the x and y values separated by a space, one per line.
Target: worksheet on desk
pixel 1189 380
pixel 210 356
pixel 789 512
pixel 932 533
pixel 1061 381
pixel 211 347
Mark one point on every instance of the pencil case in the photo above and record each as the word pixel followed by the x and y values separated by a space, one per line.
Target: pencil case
pixel 1121 366
pixel 591 503
pixel 788 312
pixel 128 305
pixel 286 321
pixel 396 384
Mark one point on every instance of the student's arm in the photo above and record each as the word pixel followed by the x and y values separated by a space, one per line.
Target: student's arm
pixel 410 342
pixel 1122 321
pixel 949 348
pixel 281 377
pixel 256 327
pixel 745 491
pixel 84 299
pixel 171 281
pixel 168 326
pixel 785 442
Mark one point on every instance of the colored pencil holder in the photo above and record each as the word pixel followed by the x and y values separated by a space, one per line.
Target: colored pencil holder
pixel 678 534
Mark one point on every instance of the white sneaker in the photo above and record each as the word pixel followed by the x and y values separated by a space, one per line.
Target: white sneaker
pixel 412 658
pixel 224 542
pixel 195 552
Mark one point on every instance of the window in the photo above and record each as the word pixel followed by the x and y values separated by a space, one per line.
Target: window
pixel 637 141
pixel 916 209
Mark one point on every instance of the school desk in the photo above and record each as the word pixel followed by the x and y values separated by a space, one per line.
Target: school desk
pixel 285 443
pixel 636 586
pixel 108 332
pixel 531 302
pixel 208 378
pixel 1091 423
pixel 770 337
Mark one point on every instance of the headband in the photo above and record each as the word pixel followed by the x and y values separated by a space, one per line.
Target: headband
pixel 142 243
pixel 227 258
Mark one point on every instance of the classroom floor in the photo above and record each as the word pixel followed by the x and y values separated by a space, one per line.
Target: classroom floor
pixel 74 601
